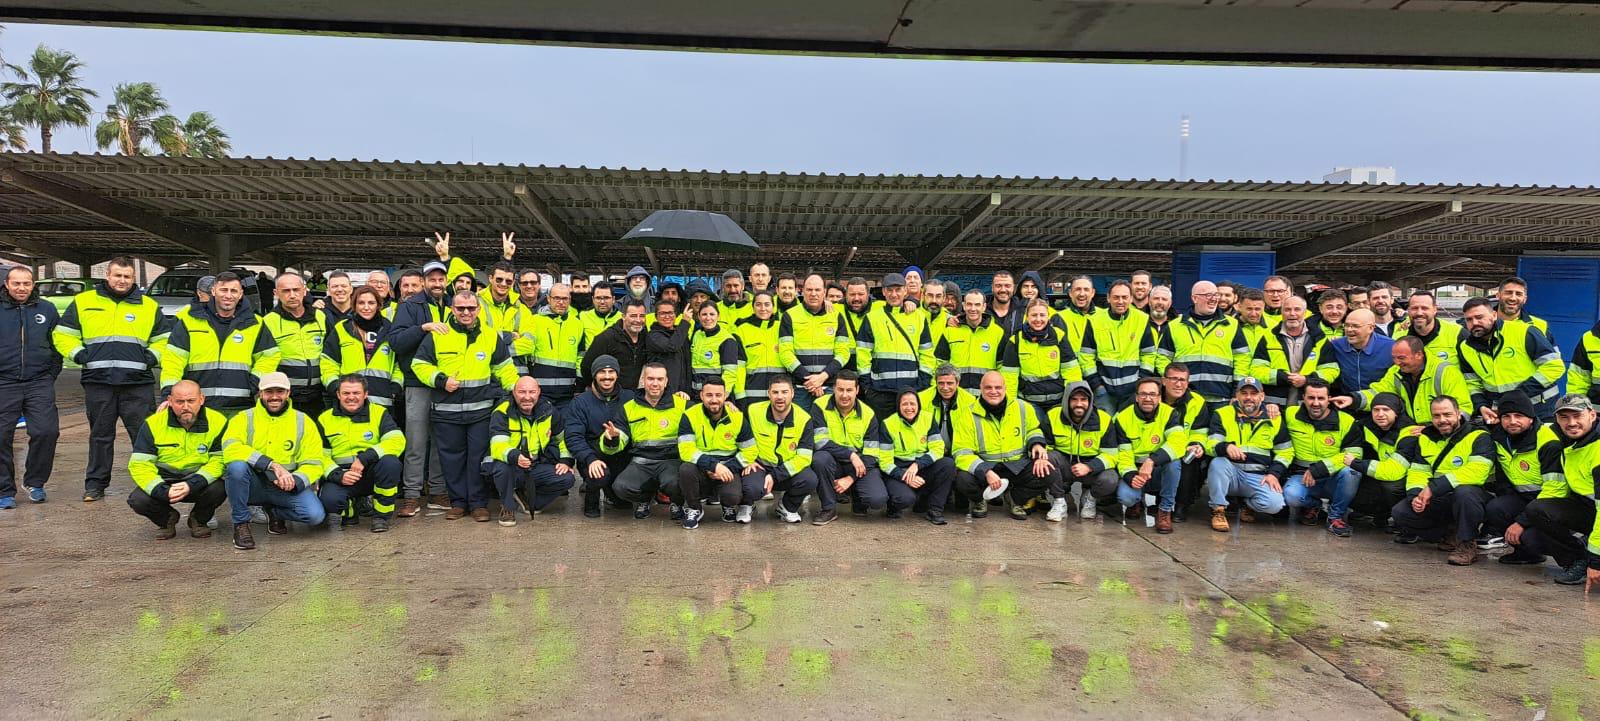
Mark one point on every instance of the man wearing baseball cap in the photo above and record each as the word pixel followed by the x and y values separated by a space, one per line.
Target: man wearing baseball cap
pixel 895 348
pixel 1251 451
pixel 422 314
pixel 274 456
pixel 1561 521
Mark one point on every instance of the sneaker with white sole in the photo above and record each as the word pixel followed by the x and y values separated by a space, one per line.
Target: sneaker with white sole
pixel 1492 543
pixel 784 514
pixel 691 518
pixel 1086 506
pixel 744 513
pixel 1058 509
pixel 730 514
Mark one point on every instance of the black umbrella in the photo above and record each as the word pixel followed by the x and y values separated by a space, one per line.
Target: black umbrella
pixel 691 230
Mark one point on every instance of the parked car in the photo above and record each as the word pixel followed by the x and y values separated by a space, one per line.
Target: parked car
pixel 61 291
pixel 175 288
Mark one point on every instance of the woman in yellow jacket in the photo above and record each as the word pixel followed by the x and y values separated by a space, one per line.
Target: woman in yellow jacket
pixel 1038 363
pixel 713 351
pixel 359 344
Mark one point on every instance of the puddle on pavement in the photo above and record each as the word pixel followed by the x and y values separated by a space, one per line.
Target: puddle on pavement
pixel 898 633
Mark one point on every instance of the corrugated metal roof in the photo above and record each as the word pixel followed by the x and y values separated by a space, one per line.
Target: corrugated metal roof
pixel 337 211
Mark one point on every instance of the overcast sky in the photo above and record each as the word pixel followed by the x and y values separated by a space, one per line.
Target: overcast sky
pixel 302 96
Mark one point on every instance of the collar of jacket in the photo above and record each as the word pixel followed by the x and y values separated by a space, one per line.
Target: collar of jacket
pixel 307 314
pixel 1045 335
pixel 33 297
pixel 359 415
pixel 1146 417
pixel 241 318
pixel 787 419
pixel 757 322
pixel 719 419
pixel 1488 341
pixel 831 404
pixel 288 405
pixel 471 331
pixel 132 296
pixel 987 321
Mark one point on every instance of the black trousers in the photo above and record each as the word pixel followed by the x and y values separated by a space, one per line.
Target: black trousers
pixel 867 488
pixel 205 504
pixel 105 405
pixel 792 490
pixel 937 479
pixel 380 480
pixel 1503 511
pixel 696 485
pixel 1563 526
pixel 35 400
pixel 1024 484
pixel 539 483
pixel 1464 507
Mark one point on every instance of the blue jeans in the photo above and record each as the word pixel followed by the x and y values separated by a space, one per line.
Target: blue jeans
pixel 1338 490
pixel 248 487
pixel 1225 479
pixel 1165 477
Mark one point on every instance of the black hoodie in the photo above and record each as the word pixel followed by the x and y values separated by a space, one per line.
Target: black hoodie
pixel 28 325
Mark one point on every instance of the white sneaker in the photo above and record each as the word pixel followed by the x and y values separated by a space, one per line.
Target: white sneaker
pixel 258 515
pixel 744 514
pixel 1058 509
pixel 1086 509
pixel 784 514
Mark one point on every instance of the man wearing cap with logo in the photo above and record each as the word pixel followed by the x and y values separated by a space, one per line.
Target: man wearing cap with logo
pixel 221 346
pixel 1251 451
pixel 1450 462
pixel 274 456
pixel 365 445
pixel 425 313
pixel 893 346
pixel 29 365
pixel 177 458
pixel 1561 521
pixel 469 370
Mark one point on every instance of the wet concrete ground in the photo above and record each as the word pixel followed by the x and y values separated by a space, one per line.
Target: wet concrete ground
pixel 565 617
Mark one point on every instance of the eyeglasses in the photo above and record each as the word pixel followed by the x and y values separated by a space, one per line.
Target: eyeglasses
pixel 1205 295
pixel 528 282
pixel 467 308
pixel 560 297
pixel 500 281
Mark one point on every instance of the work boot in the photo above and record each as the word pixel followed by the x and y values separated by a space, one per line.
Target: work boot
pixel 1133 512
pixel 481 515
pixel 1163 521
pixel 93 494
pixel 1219 519
pixel 1058 509
pixel 380 524
pixel 348 519
pixel 1018 511
pixel 1573 574
pixel 170 529
pixel 243 539
pixel 891 513
pixel 591 503
pixel 197 528
pixel 1312 517
pixel 409 507
pixel 1405 539
pixel 439 503
pixel 1448 543
pixel 1465 553
pixel 978 509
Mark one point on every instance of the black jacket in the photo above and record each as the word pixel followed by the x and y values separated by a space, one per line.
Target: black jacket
pixel 26 353
pixel 406 333
pixel 585 419
pixel 630 355
pixel 669 347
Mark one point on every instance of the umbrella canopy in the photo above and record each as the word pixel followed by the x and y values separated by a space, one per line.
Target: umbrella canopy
pixel 691 230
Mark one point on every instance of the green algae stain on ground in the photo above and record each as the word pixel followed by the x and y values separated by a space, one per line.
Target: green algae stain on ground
pixel 517 648
pixel 1107 673
pixel 146 661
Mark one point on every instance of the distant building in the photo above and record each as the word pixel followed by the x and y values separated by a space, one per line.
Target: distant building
pixel 1368 174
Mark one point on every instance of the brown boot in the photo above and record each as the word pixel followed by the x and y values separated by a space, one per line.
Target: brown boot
pixel 1465 553
pixel 170 530
pixel 1247 515
pixel 1219 519
pixel 1163 521
pixel 197 528
pixel 409 507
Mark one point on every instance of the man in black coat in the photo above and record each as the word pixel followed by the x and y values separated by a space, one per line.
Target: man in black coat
pixel 29 365
pixel 625 342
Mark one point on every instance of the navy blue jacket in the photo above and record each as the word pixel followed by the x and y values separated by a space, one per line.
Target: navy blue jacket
pixel 26 352
pixel 406 333
pixel 586 417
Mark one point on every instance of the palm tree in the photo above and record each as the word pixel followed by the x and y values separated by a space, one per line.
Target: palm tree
pixel 50 93
pixel 132 118
pixel 12 135
pixel 197 136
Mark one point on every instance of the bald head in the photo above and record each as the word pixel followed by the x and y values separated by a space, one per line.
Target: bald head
pixel 526 393
pixel 185 401
pixel 992 387
pixel 290 290
pixel 1358 327
pixel 1204 297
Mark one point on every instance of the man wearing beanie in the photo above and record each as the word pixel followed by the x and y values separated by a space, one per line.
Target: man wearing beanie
pixel 1526 452
pixel 594 432
pixel 1382 469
